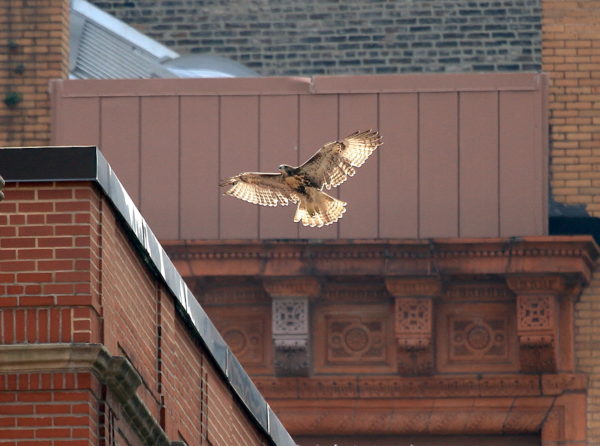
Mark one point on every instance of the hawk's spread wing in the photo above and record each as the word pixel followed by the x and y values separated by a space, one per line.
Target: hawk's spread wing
pixel 335 161
pixel 266 189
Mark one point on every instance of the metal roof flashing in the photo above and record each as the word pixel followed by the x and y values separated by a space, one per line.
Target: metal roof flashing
pixel 86 163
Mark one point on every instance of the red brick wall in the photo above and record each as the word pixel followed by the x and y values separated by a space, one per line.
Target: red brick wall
pixel 49 408
pixel 70 273
pixel 35 49
pixel 49 259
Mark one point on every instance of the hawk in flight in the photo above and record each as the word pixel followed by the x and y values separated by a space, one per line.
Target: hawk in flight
pixel 329 167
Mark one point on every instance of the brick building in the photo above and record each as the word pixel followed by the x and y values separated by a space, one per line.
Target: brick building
pixel 568 53
pixel 35 41
pixel 312 37
pixel 101 342
pixel 436 293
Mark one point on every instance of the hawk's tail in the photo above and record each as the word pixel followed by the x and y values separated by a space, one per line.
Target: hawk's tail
pixel 319 210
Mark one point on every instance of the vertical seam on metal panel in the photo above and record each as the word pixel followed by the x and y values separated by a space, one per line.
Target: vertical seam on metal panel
pixel 219 118
pixel 499 158
pixel 418 165
pixel 298 127
pixel 545 152
pixel 258 122
pixel 179 166
pixel 139 148
pixel 378 214
pixel 458 197
pixel 100 100
pixel 337 227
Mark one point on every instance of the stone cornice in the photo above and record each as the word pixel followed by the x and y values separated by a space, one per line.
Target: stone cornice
pixel 501 386
pixel 116 372
pixel 459 405
pixel 501 416
pixel 292 287
pixel 567 255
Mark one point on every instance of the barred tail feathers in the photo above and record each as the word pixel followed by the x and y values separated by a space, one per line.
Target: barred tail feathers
pixel 319 209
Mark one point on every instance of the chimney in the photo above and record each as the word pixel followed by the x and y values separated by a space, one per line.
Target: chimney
pixel 34 38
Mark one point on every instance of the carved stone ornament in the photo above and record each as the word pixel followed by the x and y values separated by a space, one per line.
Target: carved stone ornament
pixel 413 322
pixel 536 328
pixel 290 316
pixel 536 313
pixel 476 337
pixel 290 336
pixel 246 329
pixel 354 339
pixel 413 326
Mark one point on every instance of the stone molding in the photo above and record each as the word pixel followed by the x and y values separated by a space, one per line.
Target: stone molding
pixel 571 257
pixel 547 284
pixel 432 417
pixel 364 387
pixel 490 405
pixel 292 287
pixel 116 372
pixel 535 247
pixel 360 292
pixel 415 287
pixel 233 294
pixel 480 291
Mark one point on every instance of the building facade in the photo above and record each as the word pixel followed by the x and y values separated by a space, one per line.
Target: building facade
pixel 287 38
pixel 567 51
pixel 437 310
pixel 101 342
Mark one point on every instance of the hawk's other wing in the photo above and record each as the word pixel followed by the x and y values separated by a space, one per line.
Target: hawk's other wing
pixel 335 161
pixel 266 189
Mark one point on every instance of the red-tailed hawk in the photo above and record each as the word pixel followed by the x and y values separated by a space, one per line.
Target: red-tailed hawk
pixel 329 167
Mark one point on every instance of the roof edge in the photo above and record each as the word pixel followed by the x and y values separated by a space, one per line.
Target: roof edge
pixel 86 163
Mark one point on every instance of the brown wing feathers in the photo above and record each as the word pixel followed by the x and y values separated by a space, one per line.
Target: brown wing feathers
pixel 335 161
pixel 329 167
pixel 360 145
pixel 259 188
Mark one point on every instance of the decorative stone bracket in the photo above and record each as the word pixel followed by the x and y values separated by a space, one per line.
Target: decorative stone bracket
pixel 538 319
pixel 413 315
pixel 290 315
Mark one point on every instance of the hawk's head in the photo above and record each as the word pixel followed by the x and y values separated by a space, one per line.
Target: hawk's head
pixel 286 170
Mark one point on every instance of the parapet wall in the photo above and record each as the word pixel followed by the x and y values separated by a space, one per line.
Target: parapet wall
pixel 463 154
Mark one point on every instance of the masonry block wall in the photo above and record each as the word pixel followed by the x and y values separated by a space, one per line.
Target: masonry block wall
pixel 92 348
pixel 358 36
pixel 34 40
pixel 571 55
pixel 58 407
pixel 587 339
